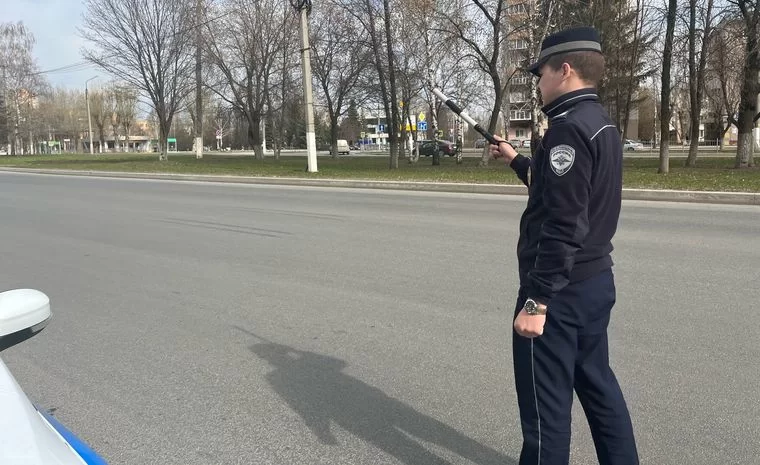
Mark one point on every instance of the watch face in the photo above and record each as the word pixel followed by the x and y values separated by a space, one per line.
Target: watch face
pixel 530 307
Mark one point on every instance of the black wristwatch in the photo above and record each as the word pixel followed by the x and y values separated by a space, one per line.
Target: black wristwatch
pixel 532 307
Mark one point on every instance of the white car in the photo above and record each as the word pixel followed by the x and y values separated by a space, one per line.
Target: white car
pixel 631 145
pixel 30 435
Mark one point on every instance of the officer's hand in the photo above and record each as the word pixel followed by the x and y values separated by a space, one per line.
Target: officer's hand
pixel 529 325
pixel 502 150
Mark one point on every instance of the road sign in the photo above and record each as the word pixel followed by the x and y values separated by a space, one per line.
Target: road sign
pixel 421 117
pixel 361 135
pixel 422 126
pixel 381 128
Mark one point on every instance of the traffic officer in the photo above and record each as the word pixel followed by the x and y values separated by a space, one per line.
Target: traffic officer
pixel 567 288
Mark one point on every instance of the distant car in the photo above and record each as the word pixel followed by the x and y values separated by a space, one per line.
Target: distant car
pixel 480 143
pixel 631 145
pixel 30 435
pixel 343 147
pixel 445 147
pixel 526 143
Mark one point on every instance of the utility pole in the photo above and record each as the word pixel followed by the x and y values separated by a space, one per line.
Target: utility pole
pixel 756 130
pixel 198 71
pixel 304 6
pixel 378 126
pixel 5 140
pixel 89 118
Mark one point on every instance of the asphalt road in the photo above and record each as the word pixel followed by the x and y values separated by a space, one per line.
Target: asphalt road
pixel 240 324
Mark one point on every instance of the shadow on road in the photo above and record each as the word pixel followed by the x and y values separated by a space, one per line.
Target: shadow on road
pixel 315 387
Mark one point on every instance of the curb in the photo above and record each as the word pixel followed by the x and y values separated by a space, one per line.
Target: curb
pixel 729 198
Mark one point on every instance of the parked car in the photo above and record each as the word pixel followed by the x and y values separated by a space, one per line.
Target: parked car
pixel 30 435
pixel 480 143
pixel 631 145
pixel 526 143
pixel 445 147
pixel 343 147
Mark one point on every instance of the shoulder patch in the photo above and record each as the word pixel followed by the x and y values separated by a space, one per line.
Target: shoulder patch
pixel 561 159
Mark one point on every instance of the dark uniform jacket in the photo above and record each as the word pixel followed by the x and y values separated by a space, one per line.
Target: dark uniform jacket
pixel 574 181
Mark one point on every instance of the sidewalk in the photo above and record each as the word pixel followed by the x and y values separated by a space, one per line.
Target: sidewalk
pixel 733 198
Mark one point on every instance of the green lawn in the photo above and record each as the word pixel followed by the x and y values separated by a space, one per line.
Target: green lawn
pixel 710 174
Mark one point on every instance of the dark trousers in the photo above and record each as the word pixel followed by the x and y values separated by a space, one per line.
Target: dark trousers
pixel 572 354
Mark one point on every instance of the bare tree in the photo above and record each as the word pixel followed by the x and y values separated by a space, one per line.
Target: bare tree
pixel 101 114
pixel 339 60
pixel 126 109
pixel 390 98
pixel 627 36
pixel 483 30
pixel 64 117
pixel 723 77
pixel 21 83
pixel 198 110
pixel 114 117
pixel 426 58
pixel 281 88
pixel 375 18
pixel 244 45
pixel 535 34
pixel 221 121
pixel 666 112
pixel 147 43
pixel 748 111
pixel 700 31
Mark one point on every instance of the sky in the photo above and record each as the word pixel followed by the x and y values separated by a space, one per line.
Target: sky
pixel 54 26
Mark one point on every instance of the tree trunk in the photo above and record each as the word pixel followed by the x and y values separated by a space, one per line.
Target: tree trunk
pixel 15 149
pixel 535 118
pixel 436 152
pixel 665 109
pixel 254 135
pixel 376 50
pixel 393 123
pixel 631 82
pixel 333 134
pixel 279 132
pixel 750 87
pixel 198 123
pixel 414 156
pixel 697 74
pixel 101 135
pixel 494 121
pixel 163 135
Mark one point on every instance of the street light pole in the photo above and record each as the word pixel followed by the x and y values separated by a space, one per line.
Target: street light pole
pixel 304 6
pixel 89 118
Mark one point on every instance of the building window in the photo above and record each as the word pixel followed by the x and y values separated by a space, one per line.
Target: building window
pixel 519 115
pixel 518 44
pixel 520 133
pixel 520 80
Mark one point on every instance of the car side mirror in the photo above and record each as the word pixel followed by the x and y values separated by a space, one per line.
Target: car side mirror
pixel 23 313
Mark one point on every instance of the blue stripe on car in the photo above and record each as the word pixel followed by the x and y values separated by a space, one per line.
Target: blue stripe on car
pixel 89 456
